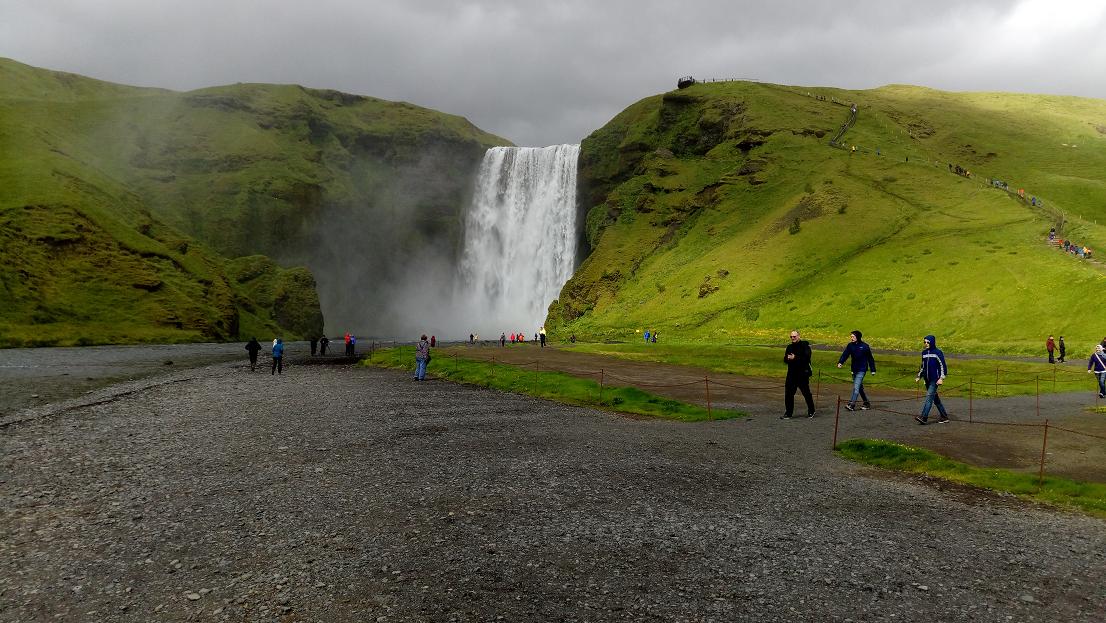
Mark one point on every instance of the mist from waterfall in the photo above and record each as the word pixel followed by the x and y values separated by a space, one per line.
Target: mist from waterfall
pixel 520 236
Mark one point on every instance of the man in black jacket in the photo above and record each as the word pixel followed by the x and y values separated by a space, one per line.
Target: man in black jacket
pixel 797 357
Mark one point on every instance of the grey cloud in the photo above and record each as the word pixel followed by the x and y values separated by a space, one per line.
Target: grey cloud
pixel 549 72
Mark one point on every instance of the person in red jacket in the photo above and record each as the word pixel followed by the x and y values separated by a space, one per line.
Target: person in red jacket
pixel 1050 346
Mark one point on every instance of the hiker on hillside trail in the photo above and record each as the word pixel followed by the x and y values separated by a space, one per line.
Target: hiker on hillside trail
pixel 253 347
pixel 324 341
pixel 1097 366
pixel 278 357
pixel 422 358
pixel 862 361
pixel 1050 346
pixel 933 372
pixel 797 357
pixel 1063 350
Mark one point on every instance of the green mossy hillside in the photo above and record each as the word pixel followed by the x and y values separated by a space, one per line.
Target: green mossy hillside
pixel 721 213
pixel 120 206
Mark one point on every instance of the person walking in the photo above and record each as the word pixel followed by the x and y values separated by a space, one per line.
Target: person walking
pixel 1063 350
pixel 1097 366
pixel 862 361
pixel 1050 346
pixel 253 347
pixel 541 333
pixel 314 345
pixel 433 341
pixel 422 358
pixel 347 343
pixel 797 357
pixel 278 357
pixel 324 341
pixel 352 345
pixel 502 340
pixel 933 371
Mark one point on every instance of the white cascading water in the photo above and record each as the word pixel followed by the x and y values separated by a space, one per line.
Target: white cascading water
pixel 519 237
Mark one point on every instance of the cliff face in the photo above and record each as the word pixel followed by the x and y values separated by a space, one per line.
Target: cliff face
pixel 121 205
pixel 721 212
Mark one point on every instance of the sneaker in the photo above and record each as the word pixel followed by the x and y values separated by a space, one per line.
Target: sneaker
pixel 785 416
pixel 811 414
pixel 850 406
pixel 1102 395
pixel 865 407
pixel 944 419
pixel 921 420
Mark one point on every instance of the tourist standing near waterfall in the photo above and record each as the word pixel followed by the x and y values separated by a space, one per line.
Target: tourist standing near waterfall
pixel 422 358
pixel 542 334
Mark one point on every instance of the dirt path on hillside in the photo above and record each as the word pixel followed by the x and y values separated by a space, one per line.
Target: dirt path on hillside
pixel 1015 443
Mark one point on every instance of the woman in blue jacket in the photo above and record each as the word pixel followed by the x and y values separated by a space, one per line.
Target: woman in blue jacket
pixel 1097 366
pixel 862 361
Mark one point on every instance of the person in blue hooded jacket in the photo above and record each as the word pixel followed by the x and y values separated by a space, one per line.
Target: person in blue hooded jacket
pixel 862 361
pixel 933 371
pixel 278 357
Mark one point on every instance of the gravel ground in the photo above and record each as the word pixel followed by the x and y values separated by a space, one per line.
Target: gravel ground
pixel 355 494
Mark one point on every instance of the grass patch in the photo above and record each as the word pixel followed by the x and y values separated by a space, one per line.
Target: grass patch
pixel 894 371
pixel 551 386
pixel 1086 496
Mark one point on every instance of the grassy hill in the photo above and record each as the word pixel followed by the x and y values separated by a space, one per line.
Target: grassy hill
pixel 120 206
pixel 720 213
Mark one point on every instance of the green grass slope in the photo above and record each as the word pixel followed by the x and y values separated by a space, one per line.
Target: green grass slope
pixel 120 205
pixel 720 213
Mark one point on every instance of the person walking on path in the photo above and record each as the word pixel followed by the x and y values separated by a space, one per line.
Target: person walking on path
pixel 422 358
pixel 797 357
pixel 278 357
pixel 352 346
pixel 1097 366
pixel 502 340
pixel 862 361
pixel 324 341
pixel 933 371
pixel 541 333
pixel 1050 346
pixel 314 345
pixel 253 347
pixel 1063 350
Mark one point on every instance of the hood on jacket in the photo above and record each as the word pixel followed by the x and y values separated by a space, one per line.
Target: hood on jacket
pixel 858 335
pixel 932 341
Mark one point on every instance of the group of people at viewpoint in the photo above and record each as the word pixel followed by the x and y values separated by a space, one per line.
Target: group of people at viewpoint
pixel 520 337
pixel 318 345
pixel 861 361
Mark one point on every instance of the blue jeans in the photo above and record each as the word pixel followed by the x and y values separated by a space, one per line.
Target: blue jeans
pixel 858 387
pixel 1101 382
pixel 420 369
pixel 932 399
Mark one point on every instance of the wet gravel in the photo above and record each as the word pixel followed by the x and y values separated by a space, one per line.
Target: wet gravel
pixel 354 494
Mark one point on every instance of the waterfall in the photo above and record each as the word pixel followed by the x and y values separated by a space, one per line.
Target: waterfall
pixel 519 237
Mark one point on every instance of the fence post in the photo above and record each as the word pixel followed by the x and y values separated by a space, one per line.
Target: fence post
pixel 600 385
pixel 706 384
pixel 836 419
pixel 818 389
pixel 970 400
pixel 1041 475
pixel 538 366
pixel 1038 395
pixel 996 381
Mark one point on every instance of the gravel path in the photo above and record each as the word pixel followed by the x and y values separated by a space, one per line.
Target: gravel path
pixel 354 494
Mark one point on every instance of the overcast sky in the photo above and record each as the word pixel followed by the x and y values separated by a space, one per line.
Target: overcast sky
pixel 541 73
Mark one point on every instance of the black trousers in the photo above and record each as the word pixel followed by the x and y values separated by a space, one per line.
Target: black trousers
pixel 278 366
pixel 253 361
pixel 803 385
